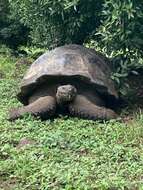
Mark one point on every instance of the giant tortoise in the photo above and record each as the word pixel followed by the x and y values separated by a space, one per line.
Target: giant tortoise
pixel 70 79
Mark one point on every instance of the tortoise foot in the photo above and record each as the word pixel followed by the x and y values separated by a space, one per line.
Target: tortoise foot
pixel 83 108
pixel 43 107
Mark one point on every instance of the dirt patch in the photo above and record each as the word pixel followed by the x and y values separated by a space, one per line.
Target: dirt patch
pixel 8 184
pixel 25 142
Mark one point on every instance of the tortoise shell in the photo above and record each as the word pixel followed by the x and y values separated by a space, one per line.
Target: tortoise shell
pixel 69 61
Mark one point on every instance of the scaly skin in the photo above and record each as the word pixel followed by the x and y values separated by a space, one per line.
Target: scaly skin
pixel 86 104
pixel 84 108
pixel 43 107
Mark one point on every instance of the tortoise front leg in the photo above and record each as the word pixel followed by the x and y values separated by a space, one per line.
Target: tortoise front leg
pixel 43 107
pixel 84 108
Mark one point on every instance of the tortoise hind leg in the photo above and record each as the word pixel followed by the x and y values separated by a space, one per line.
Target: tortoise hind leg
pixel 84 108
pixel 43 107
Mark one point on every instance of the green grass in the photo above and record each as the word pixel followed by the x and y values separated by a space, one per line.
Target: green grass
pixel 67 153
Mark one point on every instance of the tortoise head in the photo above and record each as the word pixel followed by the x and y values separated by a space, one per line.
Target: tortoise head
pixel 65 94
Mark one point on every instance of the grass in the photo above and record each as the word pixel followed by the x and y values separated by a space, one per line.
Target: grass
pixel 66 153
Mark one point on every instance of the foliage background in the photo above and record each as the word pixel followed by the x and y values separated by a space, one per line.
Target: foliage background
pixel 12 32
pixel 55 23
pixel 121 35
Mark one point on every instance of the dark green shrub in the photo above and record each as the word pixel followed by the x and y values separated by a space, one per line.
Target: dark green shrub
pixel 12 32
pixel 53 23
pixel 120 35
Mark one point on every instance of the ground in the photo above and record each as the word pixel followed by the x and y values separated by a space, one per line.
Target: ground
pixel 66 153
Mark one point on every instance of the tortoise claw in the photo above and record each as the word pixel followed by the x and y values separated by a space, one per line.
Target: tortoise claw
pixel 13 114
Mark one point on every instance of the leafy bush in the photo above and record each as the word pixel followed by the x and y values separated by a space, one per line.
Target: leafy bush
pixel 12 32
pixel 55 23
pixel 32 51
pixel 120 35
